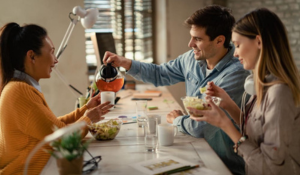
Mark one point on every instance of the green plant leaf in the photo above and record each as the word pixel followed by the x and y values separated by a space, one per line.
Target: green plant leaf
pixel 69 146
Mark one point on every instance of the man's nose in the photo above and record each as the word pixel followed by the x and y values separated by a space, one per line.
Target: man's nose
pixel 191 43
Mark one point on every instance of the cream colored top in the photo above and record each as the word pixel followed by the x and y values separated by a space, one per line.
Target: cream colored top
pixel 273 129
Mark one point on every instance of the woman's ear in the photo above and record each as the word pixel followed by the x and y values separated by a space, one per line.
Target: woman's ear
pixel 30 55
pixel 258 41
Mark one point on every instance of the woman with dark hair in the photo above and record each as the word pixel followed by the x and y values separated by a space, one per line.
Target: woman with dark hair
pixel 26 56
pixel 270 122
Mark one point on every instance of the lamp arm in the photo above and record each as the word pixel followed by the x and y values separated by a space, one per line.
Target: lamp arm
pixel 88 19
pixel 70 87
pixel 62 48
pixel 66 38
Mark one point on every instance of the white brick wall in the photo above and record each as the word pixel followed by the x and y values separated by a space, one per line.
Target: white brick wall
pixel 287 10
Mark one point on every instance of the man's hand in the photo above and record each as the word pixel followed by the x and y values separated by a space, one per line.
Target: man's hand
pixel 174 114
pixel 116 60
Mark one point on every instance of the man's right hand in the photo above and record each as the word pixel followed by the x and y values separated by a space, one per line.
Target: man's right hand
pixel 116 60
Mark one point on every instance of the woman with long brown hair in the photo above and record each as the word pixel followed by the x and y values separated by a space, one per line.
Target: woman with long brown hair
pixel 269 140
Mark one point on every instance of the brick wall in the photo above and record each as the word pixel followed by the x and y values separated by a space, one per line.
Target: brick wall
pixel 287 10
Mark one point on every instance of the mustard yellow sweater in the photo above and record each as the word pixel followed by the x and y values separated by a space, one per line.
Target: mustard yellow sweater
pixel 25 119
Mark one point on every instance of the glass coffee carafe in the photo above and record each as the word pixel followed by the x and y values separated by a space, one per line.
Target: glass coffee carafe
pixel 109 78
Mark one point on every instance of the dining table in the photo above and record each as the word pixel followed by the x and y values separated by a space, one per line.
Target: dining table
pixel 128 147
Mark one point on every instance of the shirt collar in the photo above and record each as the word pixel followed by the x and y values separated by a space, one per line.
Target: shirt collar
pixel 223 61
pixel 28 79
pixel 226 58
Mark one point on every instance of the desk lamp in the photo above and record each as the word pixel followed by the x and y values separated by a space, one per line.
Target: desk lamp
pixel 55 135
pixel 88 18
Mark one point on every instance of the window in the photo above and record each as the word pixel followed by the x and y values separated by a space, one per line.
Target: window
pixel 131 22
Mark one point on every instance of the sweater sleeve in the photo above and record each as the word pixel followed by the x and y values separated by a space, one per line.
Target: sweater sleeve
pixel 77 116
pixel 74 116
pixel 36 119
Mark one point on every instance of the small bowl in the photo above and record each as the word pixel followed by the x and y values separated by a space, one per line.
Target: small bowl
pixel 105 129
pixel 195 102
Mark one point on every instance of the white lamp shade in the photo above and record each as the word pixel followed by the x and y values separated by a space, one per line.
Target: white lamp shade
pixel 90 18
pixel 79 11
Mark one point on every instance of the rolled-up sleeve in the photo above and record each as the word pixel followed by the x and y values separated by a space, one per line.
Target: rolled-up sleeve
pixel 189 126
pixel 160 75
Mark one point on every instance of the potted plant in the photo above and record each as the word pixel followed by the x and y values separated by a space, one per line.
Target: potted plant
pixel 68 152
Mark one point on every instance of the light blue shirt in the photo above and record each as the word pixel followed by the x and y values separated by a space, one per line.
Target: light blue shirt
pixel 28 79
pixel 228 74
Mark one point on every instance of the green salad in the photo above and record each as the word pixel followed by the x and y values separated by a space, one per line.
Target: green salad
pixel 105 131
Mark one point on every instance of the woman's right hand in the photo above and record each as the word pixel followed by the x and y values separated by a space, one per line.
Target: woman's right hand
pixel 95 114
pixel 215 116
pixel 214 90
pixel 218 118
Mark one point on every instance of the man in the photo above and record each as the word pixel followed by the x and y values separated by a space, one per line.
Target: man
pixel 210 60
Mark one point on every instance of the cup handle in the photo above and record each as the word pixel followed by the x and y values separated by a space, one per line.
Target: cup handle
pixel 175 130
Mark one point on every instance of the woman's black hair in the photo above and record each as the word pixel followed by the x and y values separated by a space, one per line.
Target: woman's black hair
pixel 15 42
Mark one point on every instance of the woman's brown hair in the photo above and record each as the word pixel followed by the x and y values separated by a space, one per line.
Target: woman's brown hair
pixel 275 56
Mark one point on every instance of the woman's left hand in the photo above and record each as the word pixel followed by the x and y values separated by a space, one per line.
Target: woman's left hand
pixel 215 116
pixel 93 102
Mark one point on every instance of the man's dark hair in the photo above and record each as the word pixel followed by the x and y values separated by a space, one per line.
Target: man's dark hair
pixel 216 20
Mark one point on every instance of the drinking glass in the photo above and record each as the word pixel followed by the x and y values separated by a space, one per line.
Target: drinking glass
pixel 150 130
pixel 141 113
pixel 152 122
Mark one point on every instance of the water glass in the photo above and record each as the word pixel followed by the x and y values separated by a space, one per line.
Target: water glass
pixel 150 130
pixel 150 142
pixel 81 101
pixel 141 113
pixel 152 122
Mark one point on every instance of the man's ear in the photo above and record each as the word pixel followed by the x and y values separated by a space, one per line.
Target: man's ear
pixel 220 40
pixel 258 41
